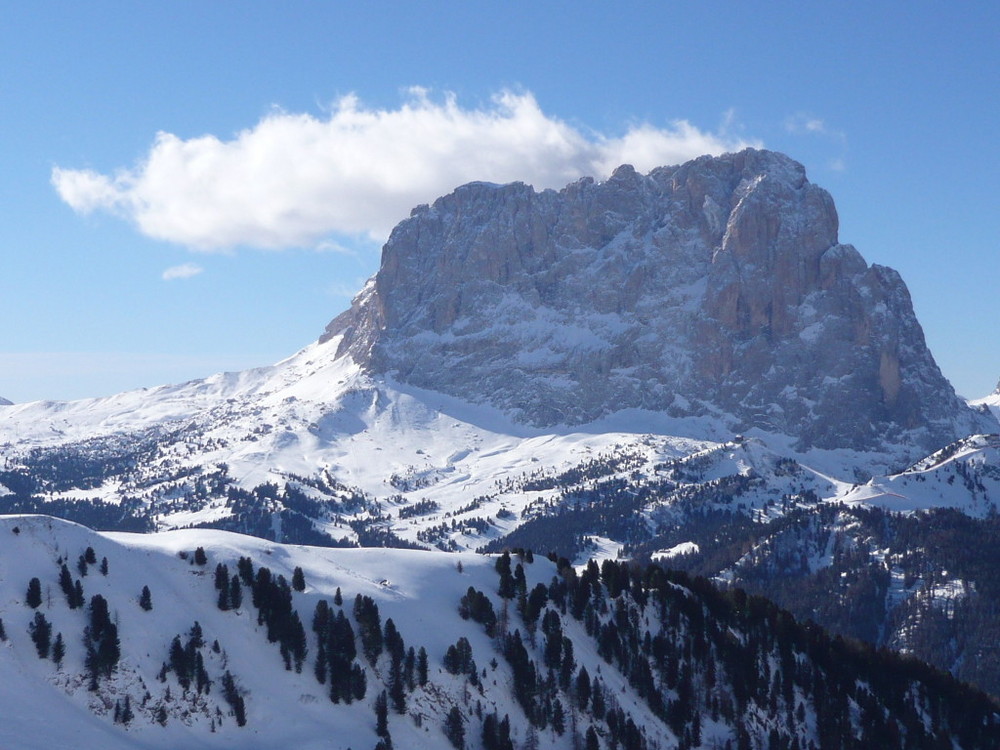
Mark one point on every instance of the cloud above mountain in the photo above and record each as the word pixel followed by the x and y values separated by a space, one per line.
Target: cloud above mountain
pixel 183 271
pixel 296 180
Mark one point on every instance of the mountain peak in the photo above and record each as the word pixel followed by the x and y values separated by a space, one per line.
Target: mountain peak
pixel 716 287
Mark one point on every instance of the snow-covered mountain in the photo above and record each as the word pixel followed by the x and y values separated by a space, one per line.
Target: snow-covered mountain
pixel 509 335
pixel 208 639
pixel 685 366
pixel 718 287
pixel 990 403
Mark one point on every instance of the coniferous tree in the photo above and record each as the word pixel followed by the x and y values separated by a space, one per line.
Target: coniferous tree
pixel 104 566
pixel 89 556
pixel 200 558
pixel 359 683
pixel 597 697
pixel 582 688
pixel 558 717
pixel 3 631
pixel 369 627
pixel 221 577
pixel 232 695
pixel 41 635
pixel 496 733
pixel 245 569
pixel 397 683
pixel 235 592
pixel 409 668
pixel 33 597
pixel 145 599
pixel 454 728
pixel 126 714
pixel 78 593
pixel 101 641
pixel 507 589
pixel 382 714
pixel 58 651
pixel 66 584
pixel 422 667
pixel 298 579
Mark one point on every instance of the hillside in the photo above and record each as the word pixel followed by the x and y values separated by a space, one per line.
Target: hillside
pixel 610 656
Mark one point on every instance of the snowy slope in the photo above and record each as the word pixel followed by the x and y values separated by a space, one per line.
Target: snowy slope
pixel 48 705
pixel 990 402
pixel 371 448
pixel 407 586
pixel 964 476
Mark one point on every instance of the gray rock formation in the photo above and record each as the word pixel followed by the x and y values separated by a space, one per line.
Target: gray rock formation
pixel 717 286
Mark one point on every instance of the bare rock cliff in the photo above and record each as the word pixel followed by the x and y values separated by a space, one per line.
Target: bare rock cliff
pixel 714 287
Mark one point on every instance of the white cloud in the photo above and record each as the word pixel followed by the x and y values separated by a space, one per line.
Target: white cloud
pixel 293 180
pixel 183 271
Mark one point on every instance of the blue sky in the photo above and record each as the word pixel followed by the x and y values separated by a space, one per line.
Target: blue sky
pixel 189 187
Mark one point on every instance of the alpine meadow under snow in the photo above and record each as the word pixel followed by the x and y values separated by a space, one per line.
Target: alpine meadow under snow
pixel 685 368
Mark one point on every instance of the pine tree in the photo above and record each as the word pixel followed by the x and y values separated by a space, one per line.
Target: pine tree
pixel 558 717
pixel 245 568
pixel 298 579
pixel 58 651
pixel 78 593
pixel 33 597
pixel 104 566
pixel 582 688
pixel 200 558
pixel 101 641
pixel 89 556
pixel 145 599
pixel 232 695
pixel 507 589
pixel 126 714
pixel 235 593
pixel 409 667
pixel 66 584
pixel 369 626
pixel 41 635
pixel 359 683
pixel 382 714
pixel 422 667
pixel 221 576
pixel 454 728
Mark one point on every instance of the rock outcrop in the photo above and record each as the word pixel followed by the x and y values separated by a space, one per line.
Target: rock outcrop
pixel 715 287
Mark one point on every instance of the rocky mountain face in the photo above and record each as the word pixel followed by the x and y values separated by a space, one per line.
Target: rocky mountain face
pixel 714 287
